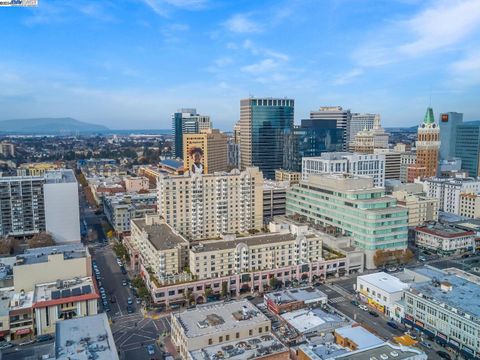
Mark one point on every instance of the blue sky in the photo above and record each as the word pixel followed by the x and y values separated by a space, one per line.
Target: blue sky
pixel 131 63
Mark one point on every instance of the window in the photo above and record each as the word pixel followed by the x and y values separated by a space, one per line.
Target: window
pixel 227 337
pixel 260 330
pixel 210 341
pixel 237 335
pixel 250 332
pixel 220 339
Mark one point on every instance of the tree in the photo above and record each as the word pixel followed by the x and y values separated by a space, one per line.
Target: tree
pixel 8 245
pixel 273 282
pixel 41 239
pixel 224 289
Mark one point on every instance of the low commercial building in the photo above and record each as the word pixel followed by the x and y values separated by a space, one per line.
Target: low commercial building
pixel 85 338
pixel 421 208
pixel 136 184
pixel 445 239
pixel 310 321
pixel 216 324
pixel 61 300
pixel 47 264
pixel 446 307
pixel 292 177
pixel 289 300
pixel 21 315
pixel 264 347
pixel 274 199
pixel 355 337
pixel 37 169
pixel 381 291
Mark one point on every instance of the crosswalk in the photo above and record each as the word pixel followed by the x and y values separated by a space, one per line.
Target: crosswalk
pixel 337 300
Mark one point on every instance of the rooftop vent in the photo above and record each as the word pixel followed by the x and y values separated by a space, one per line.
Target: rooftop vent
pixel 394 354
pixel 446 286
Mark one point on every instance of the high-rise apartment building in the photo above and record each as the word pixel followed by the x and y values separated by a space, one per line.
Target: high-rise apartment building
pixel 187 121
pixel 7 149
pixel 372 165
pixel 341 117
pixel 353 206
pixel 311 138
pixel 366 141
pixel 448 133
pixel 274 198
pixel 467 148
pixel 33 204
pixel 406 160
pixel 207 206
pixel 360 122
pixel 428 147
pixel 213 146
pixel 264 122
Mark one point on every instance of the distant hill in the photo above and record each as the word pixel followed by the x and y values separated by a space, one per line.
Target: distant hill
pixel 48 126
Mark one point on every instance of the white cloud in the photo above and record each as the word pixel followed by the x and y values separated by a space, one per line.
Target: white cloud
pixel 466 72
pixel 347 77
pixel 241 23
pixel 162 7
pixel 443 26
pixel 256 50
pixel 261 66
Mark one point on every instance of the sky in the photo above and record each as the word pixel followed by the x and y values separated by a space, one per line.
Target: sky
pixel 129 64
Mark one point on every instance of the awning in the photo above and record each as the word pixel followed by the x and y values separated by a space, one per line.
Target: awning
pixel 23 331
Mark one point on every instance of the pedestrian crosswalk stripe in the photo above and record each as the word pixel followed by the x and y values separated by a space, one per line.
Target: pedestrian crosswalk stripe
pixel 336 300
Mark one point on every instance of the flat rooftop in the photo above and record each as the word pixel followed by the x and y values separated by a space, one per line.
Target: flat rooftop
pixel 21 301
pixel 59 292
pixel 161 236
pixel 359 335
pixel 85 338
pixel 384 281
pixel 305 320
pixel 444 231
pixel 307 295
pixel 207 246
pixel 39 255
pixel 210 318
pixel 250 348
pixel 275 185
pixel 323 351
pixel 60 176
pixel 376 352
pixel 463 295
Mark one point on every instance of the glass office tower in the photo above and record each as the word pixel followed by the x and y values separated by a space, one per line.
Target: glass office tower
pixel 467 147
pixel 264 124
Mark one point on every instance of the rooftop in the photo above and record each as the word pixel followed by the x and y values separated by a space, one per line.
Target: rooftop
pixel 62 291
pixel 270 238
pixel 250 348
pixel 161 236
pixel 444 230
pixel 39 255
pixel 21 300
pixel 275 185
pixel 60 176
pixel 210 318
pixel 359 335
pixel 306 320
pixel 376 352
pixel 85 338
pixel 460 297
pixel 384 281
pixel 172 163
pixel 307 295
pixel 323 351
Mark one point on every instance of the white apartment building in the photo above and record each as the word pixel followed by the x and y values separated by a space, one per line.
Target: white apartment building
pixel 448 191
pixel 381 290
pixel 263 252
pixel 207 206
pixel 33 204
pixel 372 165
pixel 445 239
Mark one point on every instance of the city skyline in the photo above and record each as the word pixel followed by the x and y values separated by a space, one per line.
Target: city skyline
pixel 392 58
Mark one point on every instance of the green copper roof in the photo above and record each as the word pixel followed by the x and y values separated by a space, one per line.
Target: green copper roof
pixel 429 119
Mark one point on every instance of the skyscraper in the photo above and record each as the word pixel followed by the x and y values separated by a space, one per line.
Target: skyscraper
pixel 360 122
pixel 448 129
pixel 213 146
pixel 187 121
pixel 312 138
pixel 264 122
pixel 342 118
pixel 467 147
pixel 428 146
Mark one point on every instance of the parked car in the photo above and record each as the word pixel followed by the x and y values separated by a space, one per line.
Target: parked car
pixel 354 303
pixel 426 344
pixel 5 345
pixel 130 309
pixel 124 282
pixel 363 307
pixel 392 324
pixel 45 337
pixel 27 342
pixel 122 269
pixel 443 354
pixel 373 313
pixel 422 258
pixel 150 349
pixel 129 301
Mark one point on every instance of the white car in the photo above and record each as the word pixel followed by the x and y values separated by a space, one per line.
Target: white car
pixel 363 307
